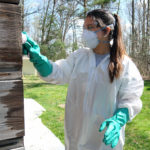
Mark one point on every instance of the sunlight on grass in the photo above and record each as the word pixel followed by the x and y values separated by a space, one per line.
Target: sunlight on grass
pixel 138 131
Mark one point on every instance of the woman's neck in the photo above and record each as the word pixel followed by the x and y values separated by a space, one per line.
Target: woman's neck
pixel 102 49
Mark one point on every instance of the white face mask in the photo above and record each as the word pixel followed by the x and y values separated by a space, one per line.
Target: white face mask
pixel 90 38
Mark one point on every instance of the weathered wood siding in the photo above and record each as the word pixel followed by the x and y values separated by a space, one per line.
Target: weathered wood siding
pixel 11 85
pixel 10 40
pixel 10 1
pixel 11 144
pixel 11 109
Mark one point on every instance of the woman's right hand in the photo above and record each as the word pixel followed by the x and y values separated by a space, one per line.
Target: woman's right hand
pixel 40 62
pixel 31 47
pixel 24 39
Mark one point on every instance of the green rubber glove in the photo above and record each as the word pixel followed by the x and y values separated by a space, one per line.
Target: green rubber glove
pixel 114 125
pixel 40 62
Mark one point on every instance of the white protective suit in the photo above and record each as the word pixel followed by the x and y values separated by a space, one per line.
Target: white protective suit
pixel 92 98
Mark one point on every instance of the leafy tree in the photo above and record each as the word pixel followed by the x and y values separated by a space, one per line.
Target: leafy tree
pixel 54 51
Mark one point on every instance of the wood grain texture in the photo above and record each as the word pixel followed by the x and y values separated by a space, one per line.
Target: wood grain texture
pixel 10 39
pixel 11 75
pixel 11 85
pixel 11 109
pixel 16 143
pixel 10 1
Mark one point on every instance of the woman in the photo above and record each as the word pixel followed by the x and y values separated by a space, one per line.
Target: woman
pixel 104 85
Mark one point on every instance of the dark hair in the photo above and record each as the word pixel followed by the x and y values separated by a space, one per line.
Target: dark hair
pixel 117 50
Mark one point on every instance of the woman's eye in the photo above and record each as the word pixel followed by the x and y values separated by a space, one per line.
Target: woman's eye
pixel 90 28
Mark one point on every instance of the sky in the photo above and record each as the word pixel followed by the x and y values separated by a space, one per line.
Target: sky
pixel 123 8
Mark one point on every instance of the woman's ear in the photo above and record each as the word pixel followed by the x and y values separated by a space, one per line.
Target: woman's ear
pixel 107 31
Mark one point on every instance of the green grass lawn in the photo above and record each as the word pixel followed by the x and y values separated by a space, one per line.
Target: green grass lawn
pixel 138 131
pixel 52 98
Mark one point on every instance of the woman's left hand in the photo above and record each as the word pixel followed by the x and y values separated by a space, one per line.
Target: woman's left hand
pixel 114 125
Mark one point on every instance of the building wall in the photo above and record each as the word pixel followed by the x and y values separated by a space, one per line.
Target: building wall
pixel 28 68
pixel 11 84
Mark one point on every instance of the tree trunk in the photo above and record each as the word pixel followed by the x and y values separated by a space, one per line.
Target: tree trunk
pixel 148 26
pixel 143 26
pixel 85 8
pixel 67 20
pixel 51 21
pixel 74 35
pixel 66 27
pixel 133 32
pixel 118 8
pixel 22 14
pixel 44 22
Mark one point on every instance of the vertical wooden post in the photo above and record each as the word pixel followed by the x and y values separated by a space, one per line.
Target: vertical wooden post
pixel 11 85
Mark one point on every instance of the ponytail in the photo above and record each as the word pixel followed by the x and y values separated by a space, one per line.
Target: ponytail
pixel 117 51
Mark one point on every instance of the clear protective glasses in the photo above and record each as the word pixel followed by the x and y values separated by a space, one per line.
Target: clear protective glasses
pixel 90 27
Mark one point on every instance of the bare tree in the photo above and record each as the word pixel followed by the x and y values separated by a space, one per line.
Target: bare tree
pixel 85 8
pixel 66 13
pixel 148 26
pixel 27 11
pixel 118 8
pixel 44 21
pixel 133 22
pixel 22 13
pixel 143 25
pixel 51 21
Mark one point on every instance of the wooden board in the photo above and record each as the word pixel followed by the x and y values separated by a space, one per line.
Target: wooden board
pixel 11 75
pixel 10 41
pixel 11 85
pixel 12 144
pixel 10 1
pixel 11 109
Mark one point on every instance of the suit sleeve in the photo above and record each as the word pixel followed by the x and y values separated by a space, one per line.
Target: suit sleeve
pixel 131 90
pixel 62 70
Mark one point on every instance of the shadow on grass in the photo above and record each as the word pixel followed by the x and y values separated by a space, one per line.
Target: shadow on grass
pixel 35 85
pixel 147 83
